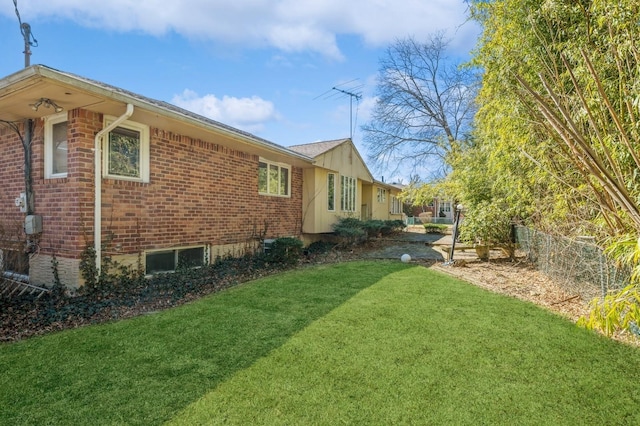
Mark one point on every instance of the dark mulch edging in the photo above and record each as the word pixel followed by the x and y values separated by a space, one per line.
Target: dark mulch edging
pixel 28 315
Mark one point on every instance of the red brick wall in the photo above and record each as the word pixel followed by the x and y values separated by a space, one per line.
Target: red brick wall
pixel 200 192
pixel 11 184
pixel 66 204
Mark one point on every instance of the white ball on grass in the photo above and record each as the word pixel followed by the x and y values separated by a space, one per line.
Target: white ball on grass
pixel 405 258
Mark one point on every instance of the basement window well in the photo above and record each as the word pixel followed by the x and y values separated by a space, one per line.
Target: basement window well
pixel 171 260
pixel 14 262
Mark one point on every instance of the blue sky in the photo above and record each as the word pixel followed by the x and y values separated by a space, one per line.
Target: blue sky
pixel 264 66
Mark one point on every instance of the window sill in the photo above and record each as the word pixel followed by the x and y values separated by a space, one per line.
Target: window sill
pixel 273 195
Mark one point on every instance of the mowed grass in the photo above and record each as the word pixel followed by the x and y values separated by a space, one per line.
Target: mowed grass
pixel 355 343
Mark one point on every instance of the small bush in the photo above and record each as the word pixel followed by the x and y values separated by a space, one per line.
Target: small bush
pixel 350 231
pixel 435 228
pixel 393 226
pixel 354 231
pixel 373 228
pixel 425 217
pixel 617 312
pixel 319 247
pixel 285 251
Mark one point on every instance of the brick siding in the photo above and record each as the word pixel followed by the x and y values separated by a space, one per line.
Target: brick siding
pixel 199 193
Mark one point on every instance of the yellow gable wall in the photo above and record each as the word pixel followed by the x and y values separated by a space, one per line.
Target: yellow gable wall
pixel 344 159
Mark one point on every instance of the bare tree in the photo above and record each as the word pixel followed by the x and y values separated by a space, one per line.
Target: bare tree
pixel 425 105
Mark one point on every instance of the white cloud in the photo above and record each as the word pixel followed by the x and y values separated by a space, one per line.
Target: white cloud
pixel 249 114
pixel 288 25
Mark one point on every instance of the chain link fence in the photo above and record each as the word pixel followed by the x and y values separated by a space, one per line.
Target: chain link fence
pixel 578 265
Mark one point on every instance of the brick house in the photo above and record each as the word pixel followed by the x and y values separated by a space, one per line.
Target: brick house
pixel 170 185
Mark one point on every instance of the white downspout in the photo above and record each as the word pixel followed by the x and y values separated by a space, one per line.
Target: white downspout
pixel 97 205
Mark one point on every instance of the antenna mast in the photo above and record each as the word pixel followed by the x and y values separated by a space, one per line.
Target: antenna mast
pixel 29 39
pixel 351 96
pixel 26 33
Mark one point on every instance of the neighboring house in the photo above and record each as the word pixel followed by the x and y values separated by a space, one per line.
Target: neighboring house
pixel 341 185
pixel 442 210
pixel 141 179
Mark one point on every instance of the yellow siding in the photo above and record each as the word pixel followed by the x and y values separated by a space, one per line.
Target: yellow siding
pixel 313 195
pixel 316 217
pixel 345 160
pixel 380 210
pixel 367 206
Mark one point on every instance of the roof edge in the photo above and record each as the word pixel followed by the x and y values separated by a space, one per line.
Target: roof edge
pixel 153 105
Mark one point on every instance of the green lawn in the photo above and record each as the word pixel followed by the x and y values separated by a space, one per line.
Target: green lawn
pixel 356 343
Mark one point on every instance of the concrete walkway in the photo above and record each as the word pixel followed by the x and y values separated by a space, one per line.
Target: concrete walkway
pixel 419 245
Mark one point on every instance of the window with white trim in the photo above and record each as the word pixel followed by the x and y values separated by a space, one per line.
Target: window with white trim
pixel 55 146
pixel 331 191
pixel 382 195
pixel 396 205
pixel 170 260
pixel 347 194
pixel 274 178
pixel 126 152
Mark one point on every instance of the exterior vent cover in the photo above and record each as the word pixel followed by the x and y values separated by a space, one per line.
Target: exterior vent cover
pixel 266 245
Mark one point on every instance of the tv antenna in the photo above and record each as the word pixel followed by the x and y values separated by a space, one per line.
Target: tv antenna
pixel 27 35
pixel 352 92
pixel 351 96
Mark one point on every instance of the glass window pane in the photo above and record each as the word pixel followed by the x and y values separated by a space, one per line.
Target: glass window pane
pixel 189 258
pixel 59 148
pixel 331 192
pixel 348 196
pixel 343 189
pixel 273 179
pixel 124 153
pixel 351 194
pixel 284 181
pixel 262 177
pixel 160 261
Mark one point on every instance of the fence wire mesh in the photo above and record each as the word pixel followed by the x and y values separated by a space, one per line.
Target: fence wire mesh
pixel 579 266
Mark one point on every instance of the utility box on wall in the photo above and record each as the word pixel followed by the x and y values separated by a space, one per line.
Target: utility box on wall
pixel 33 224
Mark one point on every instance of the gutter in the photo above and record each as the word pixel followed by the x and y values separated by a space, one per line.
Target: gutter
pixel 162 108
pixel 36 74
pixel 97 207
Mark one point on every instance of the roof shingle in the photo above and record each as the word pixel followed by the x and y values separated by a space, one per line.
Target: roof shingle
pixel 317 148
